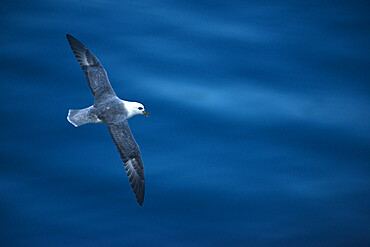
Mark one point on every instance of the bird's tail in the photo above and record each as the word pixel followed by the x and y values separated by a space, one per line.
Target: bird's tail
pixel 74 117
pixel 82 116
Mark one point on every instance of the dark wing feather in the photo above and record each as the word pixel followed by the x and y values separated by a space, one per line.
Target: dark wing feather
pixel 130 155
pixel 96 76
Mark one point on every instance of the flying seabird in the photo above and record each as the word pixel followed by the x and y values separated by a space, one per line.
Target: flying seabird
pixel 112 111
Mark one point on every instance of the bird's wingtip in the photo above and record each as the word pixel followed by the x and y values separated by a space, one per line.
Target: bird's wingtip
pixel 140 200
pixel 69 37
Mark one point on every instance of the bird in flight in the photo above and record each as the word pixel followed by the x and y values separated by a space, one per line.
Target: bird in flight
pixel 112 111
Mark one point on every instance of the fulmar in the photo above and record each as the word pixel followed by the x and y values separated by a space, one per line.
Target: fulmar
pixel 113 112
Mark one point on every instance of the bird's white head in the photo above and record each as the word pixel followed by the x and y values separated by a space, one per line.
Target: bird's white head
pixel 134 108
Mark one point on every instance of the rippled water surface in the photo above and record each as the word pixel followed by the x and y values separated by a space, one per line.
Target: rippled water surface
pixel 258 134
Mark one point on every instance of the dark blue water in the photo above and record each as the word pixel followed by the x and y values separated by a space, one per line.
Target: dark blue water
pixel 258 135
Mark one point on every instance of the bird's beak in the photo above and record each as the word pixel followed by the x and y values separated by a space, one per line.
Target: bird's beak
pixel 145 113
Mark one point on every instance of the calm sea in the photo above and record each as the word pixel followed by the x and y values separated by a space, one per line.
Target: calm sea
pixel 258 134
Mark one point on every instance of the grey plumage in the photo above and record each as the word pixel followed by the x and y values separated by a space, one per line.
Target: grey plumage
pixel 83 116
pixel 96 75
pixel 109 109
pixel 130 155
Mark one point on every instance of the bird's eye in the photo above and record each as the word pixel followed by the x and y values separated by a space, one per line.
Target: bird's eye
pixel 140 108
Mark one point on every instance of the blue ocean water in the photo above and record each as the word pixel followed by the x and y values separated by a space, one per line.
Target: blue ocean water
pixel 258 132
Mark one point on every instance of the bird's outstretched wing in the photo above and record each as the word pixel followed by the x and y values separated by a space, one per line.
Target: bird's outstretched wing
pixel 96 76
pixel 130 155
